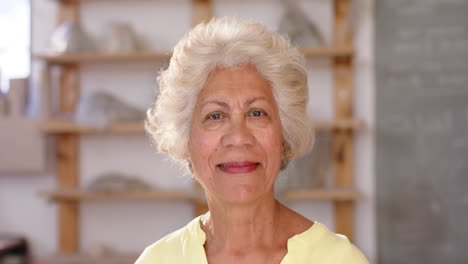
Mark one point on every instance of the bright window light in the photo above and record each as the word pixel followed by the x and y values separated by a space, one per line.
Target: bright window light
pixel 15 40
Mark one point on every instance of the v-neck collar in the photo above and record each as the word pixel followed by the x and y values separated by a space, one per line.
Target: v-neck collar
pixel 296 243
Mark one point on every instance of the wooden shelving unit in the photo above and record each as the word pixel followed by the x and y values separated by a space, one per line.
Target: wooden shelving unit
pixel 68 195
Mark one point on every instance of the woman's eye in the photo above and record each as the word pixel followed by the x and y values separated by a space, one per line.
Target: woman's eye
pixel 215 116
pixel 257 113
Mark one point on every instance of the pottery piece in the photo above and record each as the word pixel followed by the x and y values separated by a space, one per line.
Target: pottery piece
pixel 118 182
pixel 295 24
pixel 100 109
pixel 119 38
pixel 309 171
pixel 71 38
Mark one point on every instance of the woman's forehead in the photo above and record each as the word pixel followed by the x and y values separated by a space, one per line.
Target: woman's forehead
pixel 243 81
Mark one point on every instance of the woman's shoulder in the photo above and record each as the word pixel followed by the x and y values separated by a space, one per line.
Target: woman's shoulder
pixel 312 240
pixel 320 243
pixel 163 248
pixel 174 247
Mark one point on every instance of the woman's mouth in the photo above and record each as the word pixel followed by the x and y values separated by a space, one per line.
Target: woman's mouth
pixel 235 167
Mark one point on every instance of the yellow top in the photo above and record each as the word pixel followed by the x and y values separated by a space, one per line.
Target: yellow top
pixel 315 245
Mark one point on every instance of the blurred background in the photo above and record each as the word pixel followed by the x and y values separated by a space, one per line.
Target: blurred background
pixel 81 182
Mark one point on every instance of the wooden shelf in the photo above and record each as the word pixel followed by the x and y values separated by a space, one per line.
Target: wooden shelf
pixel 68 127
pixel 83 195
pixel 321 194
pixel 293 195
pixel 345 124
pixel 156 56
pixel 328 52
pixel 103 57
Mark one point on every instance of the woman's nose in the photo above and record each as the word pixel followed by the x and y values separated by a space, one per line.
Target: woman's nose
pixel 238 134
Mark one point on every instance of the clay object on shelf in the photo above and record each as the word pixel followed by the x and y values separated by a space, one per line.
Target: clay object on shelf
pixel 119 38
pixel 118 182
pixel 309 171
pixel 100 109
pixel 300 29
pixel 71 38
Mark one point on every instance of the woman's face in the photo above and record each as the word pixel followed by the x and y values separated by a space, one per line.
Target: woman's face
pixel 236 140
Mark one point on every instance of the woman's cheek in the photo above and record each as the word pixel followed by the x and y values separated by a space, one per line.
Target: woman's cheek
pixel 212 125
pixel 207 142
pixel 260 122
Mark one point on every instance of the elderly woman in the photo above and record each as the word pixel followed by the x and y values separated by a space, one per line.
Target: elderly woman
pixel 232 107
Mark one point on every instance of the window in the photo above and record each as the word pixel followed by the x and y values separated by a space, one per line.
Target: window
pixel 15 41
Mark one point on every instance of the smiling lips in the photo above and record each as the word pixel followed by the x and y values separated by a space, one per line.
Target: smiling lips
pixel 238 166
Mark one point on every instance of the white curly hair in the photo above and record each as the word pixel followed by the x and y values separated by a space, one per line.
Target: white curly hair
pixel 228 42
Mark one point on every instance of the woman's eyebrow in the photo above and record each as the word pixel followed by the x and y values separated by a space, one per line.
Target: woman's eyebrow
pixel 254 99
pixel 217 102
pixel 226 105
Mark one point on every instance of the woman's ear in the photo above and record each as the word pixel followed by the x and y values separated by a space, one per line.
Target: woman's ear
pixel 283 150
pixel 284 159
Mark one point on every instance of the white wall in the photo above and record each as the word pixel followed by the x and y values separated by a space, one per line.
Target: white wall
pixel 130 226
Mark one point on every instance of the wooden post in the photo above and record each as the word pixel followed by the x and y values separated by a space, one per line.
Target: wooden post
pixel 68 144
pixel 67 163
pixel 68 11
pixel 202 10
pixel 343 139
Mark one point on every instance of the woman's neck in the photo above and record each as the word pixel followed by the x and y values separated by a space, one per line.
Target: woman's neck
pixel 236 228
